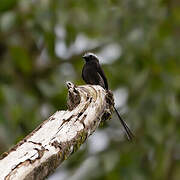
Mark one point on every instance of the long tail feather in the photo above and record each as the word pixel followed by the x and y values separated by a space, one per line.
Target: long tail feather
pixel 129 133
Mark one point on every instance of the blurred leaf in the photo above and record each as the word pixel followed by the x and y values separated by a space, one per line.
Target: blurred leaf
pixel 21 59
pixel 6 5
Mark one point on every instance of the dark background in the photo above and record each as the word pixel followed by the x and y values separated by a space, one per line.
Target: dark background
pixel 138 42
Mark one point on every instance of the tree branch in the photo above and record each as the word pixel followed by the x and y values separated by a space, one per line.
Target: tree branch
pixel 38 154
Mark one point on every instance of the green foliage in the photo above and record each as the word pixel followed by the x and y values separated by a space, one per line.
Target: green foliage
pixel 7 5
pixel 41 44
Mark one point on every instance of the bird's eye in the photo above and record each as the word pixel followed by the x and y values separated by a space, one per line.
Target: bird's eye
pixel 91 56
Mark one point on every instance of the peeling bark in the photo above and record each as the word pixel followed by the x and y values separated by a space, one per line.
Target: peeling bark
pixel 43 150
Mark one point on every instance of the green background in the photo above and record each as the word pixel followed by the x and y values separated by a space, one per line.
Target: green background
pixel 138 42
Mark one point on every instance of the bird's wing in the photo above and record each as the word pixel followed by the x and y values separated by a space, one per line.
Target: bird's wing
pixel 101 72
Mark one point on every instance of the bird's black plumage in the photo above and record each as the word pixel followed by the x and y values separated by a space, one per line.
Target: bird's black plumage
pixel 92 73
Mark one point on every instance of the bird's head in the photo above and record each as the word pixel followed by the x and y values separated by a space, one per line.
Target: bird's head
pixel 90 57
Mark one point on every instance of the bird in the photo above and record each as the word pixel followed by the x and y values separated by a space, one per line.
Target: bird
pixel 92 73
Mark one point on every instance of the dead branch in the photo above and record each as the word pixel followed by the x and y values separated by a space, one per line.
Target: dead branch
pixel 43 150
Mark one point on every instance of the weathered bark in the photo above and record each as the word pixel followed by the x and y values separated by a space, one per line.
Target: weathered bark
pixel 38 154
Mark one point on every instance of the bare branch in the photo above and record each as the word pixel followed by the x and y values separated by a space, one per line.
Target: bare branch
pixel 43 150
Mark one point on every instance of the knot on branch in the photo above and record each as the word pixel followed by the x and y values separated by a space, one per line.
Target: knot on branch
pixel 73 96
pixel 84 94
pixel 109 106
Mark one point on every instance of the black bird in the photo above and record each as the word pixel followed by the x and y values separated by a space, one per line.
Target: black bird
pixel 92 73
